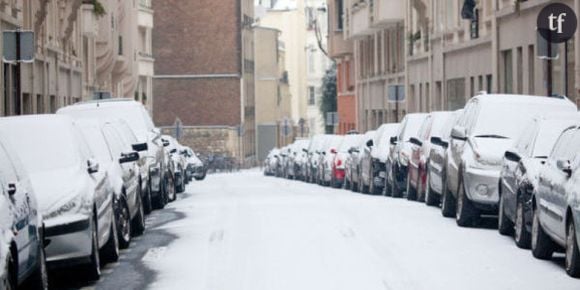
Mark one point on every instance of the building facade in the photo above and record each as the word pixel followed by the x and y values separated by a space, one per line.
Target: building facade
pixel 79 49
pixel 204 77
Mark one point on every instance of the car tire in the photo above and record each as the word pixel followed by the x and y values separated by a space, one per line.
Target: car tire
pixel 430 196
pixel 148 201
pixel 8 282
pixel 123 223
pixel 504 225
pixel 522 236
pixel 411 192
pixel 387 190
pixel 466 214
pixel 448 204
pixel 542 245
pixel 180 188
pixel 171 193
pixel 364 189
pixel 572 252
pixel 138 222
pixel 39 278
pixel 395 190
pixel 110 252
pixel 93 268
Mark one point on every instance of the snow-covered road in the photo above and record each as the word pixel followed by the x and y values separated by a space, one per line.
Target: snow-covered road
pixel 245 231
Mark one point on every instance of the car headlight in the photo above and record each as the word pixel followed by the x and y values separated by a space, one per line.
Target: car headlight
pixel 79 204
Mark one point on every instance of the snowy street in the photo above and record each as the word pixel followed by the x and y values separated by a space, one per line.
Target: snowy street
pixel 245 231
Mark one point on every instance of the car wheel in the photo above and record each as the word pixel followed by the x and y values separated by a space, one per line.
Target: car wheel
pixel 430 196
pixel 138 223
pixel 395 190
pixel 466 214
pixel 362 187
pixel 93 269
pixel 123 223
pixel 572 252
pixel 148 202
pixel 387 190
pixel 542 245
pixel 522 236
pixel 39 278
pixel 171 193
pixel 504 225
pixel 111 250
pixel 180 188
pixel 9 279
pixel 411 192
pixel 448 204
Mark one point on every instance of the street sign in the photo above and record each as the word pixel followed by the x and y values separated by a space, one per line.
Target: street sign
pixel 396 93
pixel 18 46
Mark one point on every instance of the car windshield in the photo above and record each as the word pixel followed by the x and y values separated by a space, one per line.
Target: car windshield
pixel 349 142
pixel 43 144
pixel 412 126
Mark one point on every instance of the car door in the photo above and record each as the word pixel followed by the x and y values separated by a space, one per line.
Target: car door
pixel 551 195
pixel 523 148
pixel 457 149
pixel 25 231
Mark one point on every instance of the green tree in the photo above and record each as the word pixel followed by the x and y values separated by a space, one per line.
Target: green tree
pixel 328 101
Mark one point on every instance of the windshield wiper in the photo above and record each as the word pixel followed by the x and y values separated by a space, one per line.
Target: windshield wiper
pixel 491 136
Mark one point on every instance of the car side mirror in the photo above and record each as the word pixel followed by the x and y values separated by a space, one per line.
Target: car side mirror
pixel 305 150
pixel 140 147
pixel 439 142
pixel 129 157
pixel 333 150
pixel 370 143
pixel 565 166
pixel 394 140
pixel 12 188
pixel 165 142
pixel 459 133
pixel 92 166
pixel 416 141
pixel 173 151
pixel 512 156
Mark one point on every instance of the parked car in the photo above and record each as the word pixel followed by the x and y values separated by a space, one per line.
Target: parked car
pixel 351 176
pixel 196 168
pixel 339 162
pixel 314 151
pixel 22 257
pixel 327 159
pixel 271 161
pixel 137 118
pixel 74 195
pixel 487 128
pixel 380 154
pixel 178 163
pixel 400 153
pixel 296 159
pixel 118 161
pixel 364 171
pixel 437 165
pixel 556 204
pixel 519 174
pixel 420 151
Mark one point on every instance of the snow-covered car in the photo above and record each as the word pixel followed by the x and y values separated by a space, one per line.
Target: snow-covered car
pixel 519 174
pixel 138 119
pixel 283 162
pixel 22 258
pixel 296 158
pixel 437 165
pixel 75 197
pixel 487 128
pixel 556 204
pixel 351 178
pixel 400 152
pixel 326 161
pixel 118 160
pixel 365 162
pixel 178 164
pixel 270 164
pixel 339 163
pixel 380 154
pixel 420 150
pixel 195 168
pixel 314 151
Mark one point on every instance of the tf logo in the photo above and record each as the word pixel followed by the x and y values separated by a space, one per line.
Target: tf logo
pixel 557 23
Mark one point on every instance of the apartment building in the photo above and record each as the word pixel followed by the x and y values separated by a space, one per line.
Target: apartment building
pixel 376 28
pixel 79 49
pixel 341 49
pixel 273 99
pixel 204 74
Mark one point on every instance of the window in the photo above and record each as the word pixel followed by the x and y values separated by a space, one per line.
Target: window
pixel 311 96
pixel 455 94
pixel 531 69
pixel 339 15
pixel 562 148
pixel 520 70
pixel 507 71
pixel 489 82
pixel 39 104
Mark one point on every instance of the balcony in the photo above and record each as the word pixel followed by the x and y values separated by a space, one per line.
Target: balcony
pixel 145 14
pixel 386 12
pixel 360 19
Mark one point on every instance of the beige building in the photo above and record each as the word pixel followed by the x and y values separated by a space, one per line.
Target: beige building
pixel 377 30
pixel 79 49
